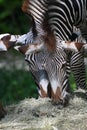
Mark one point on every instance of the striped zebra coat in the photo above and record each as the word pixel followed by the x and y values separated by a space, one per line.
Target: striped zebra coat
pixel 61 25
pixel 54 57
pixel 36 62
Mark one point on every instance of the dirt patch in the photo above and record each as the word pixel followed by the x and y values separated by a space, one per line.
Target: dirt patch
pixel 10 60
pixel 40 114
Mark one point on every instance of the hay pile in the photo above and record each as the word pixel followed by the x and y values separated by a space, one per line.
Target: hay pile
pixel 40 114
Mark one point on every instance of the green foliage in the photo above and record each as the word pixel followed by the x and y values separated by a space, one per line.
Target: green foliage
pixel 16 85
pixel 72 82
pixel 12 19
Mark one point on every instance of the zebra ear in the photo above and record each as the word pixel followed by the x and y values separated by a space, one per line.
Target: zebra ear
pixel 76 46
pixel 79 45
pixel 72 46
pixel 6 38
pixel 6 42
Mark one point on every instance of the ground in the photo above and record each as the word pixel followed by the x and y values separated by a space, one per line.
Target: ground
pixel 41 114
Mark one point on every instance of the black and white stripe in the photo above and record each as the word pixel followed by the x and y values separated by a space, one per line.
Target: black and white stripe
pixel 62 15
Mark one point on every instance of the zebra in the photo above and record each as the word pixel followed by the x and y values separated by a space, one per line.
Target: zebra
pixel 54 78
pixel 59 93
pixel 63 15
pixel 55 19
pixel 63 57
pixel 35 62
pixel 41 76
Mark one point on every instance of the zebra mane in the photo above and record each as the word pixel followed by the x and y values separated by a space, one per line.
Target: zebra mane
pixel 48 36
pixel 25 9
pixel 50 40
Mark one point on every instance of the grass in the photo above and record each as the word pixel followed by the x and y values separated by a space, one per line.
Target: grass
pixel 72 82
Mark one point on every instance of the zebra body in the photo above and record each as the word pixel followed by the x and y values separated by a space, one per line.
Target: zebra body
pixel 61 20
pixel 64 14
pixel 37 10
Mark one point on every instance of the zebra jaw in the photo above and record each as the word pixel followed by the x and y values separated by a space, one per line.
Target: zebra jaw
pixel 72 46
pixel 5 42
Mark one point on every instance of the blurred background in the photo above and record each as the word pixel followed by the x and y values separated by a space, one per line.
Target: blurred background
pixel 16 82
